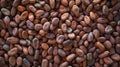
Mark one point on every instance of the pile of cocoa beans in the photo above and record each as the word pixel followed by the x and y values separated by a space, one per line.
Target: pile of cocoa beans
pixel 59 33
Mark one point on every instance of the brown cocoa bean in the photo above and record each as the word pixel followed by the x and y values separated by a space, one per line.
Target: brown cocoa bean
pixel 12 51
pixel 19 61
pixel 46 7
pixel 50 35
pixel 64 64
pixel 117 47
pixel 96 1
pixel 55 21
pixel 61 53
pixel 71 35
pixel 12 61
pixel 92 15
pixel 52 3
pixel 64 2
pixel 102 20
pixel 25 50
pixel 100 46
pixel 32 8
pixel 36 56
pixel 20 8
pixel 16 3
pixel 31 17
pixel 105 10
pixel 87 19
pixel 30 50
pixel 77 2
pixel 39 13
pixel 57 59
pixel 38 27
pixel 115 57
pixel 3 3
pixel 35 43
pixel 30 25
pixel 75 10
pixel 67 43
pixel 44 63
pixel 96 33
pixel 108 60
pixel 108 44
pixel 24 15
pixel 46 26
pixel 90 37
pixel 108 29
pixel 44 46
pixel 12 40
pixel 24 35
pixel 5 11
pixel 79 52
pixel 64 16
pixel 101 28
pixel 104 54
pixel 70 57
pixel 60 39
pixel 26 63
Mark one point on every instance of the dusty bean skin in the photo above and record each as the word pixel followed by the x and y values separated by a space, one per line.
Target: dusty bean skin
pixel 59 33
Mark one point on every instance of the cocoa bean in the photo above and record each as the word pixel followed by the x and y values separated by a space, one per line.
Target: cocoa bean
pixel 12 40
pixel 13 51
pixel 70 57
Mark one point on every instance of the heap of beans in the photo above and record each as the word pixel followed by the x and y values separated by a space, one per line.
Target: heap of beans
pixel 59 33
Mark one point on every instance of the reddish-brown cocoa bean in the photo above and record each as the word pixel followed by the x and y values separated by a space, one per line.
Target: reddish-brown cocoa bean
pixel 64 16
pixel 79 52
pixel 64 64
pixel 75 10
pixel 108 60
pixel 100 46
pixel 46 26
pixel 70 57
pixel 24 15
pixel 104 54
pixel 101 28
pixel 12 40
pixel 12 61
pixel 44 46
pixel 20 8
pixel 115 57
